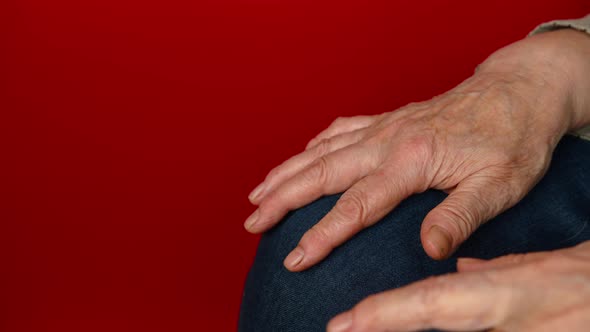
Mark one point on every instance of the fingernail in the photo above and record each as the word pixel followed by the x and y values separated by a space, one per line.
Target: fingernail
pixel 294 258
pixel 440 239
pixel 252 219
pixel 256 192
pixel 340 323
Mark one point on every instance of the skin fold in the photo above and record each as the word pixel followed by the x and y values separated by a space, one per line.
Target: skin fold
pixel 486 142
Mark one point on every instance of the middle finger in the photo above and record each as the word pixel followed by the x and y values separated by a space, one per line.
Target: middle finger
pixel 330 174
pixel 295 164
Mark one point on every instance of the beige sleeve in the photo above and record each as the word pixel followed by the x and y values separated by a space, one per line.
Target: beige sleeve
pixel 581 24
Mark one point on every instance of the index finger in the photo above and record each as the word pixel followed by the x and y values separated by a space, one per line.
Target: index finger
pixel 359 207
pixel 465 301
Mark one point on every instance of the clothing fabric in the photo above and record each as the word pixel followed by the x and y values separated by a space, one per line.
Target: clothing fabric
pixel 581 24
pixel 555 214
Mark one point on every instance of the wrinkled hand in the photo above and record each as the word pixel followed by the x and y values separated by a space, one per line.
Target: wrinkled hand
pixel 545 291
pixel 486 143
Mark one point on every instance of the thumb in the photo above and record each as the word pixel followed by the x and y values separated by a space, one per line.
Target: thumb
pixel 472 203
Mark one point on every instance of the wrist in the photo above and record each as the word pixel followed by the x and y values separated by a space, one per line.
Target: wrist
pixel 557 65
pixel 577 50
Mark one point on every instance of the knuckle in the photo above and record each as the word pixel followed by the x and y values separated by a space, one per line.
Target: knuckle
pixel 387 130
pixel 474 205
pixel 323 147
pixel 429 297
pixel 506 192
pixel 316 236
pixel 418 147
pixel 462 218
pixel 319 171
pixel 272 210
pixel 352 205
pixel 430 291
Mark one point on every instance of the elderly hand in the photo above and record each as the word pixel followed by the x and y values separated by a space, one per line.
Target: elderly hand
pixel 545 291
pixel 486 142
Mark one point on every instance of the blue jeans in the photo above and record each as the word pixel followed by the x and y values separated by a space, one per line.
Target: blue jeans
pixel 555 214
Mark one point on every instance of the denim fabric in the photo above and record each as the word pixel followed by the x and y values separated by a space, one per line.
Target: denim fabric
pixel 555 214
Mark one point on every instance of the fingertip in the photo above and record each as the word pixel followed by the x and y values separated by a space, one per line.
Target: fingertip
pixel 437 243
pixel 256 194
pixel 293 261
pixel 259 228
pixel 257 223
pixel 253 200
pixel 253 231
pixel 250 223
pixel 340 323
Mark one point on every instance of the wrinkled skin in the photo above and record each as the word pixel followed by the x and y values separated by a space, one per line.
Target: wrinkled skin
pixel 486 142
pixel 545 291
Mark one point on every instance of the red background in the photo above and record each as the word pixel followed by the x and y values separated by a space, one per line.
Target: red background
pixel 132 131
